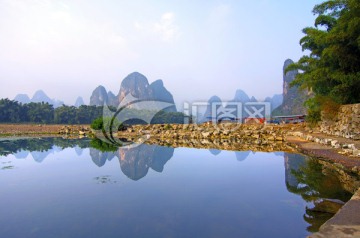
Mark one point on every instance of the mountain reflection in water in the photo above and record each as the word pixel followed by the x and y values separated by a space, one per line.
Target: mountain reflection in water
pixel 311 179
pixel 134 161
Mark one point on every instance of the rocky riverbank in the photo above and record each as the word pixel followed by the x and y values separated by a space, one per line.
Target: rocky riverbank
pixel 346 222
pixel 223 137
pixel 345 152
pixel 267 138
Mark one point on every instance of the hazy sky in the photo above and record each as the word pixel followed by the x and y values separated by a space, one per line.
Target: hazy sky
pixel 199 48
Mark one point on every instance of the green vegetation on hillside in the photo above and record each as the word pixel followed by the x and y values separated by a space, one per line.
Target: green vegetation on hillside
pixel 12 111
pixel 15 112
pixel 332 69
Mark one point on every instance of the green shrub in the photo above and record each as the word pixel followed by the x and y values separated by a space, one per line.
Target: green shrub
pixel 97 124
pixel 314 110
pixel 105 123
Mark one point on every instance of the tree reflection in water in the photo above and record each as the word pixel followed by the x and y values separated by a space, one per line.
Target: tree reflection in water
pixel 317 183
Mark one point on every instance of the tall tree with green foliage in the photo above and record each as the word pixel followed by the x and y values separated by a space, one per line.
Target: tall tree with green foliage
pixel 65 115
pixel 40 112
pixel 11 111
pixel 332 69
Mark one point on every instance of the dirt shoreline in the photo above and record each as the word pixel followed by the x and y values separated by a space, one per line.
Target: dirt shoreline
pixel 14 130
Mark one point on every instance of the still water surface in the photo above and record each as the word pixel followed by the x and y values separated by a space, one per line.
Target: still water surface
pixel 80 188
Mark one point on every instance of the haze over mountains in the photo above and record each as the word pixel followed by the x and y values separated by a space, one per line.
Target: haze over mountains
pixel 39 96
pixel 242 98
pixel 275 101
pixel 290 102
pixel 136 84
pixel 79 102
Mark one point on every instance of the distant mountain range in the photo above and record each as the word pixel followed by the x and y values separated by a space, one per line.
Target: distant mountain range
pixel 240 97
pixel 137 85
pixel 290 102
pixel 275 101
pixel 41 96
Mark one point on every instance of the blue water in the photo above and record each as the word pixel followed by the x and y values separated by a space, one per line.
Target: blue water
pixel 73 190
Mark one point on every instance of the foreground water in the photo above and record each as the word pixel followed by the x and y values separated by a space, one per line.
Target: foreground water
pixel 80 188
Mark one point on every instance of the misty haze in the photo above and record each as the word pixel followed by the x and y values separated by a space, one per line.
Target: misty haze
pixel 221 118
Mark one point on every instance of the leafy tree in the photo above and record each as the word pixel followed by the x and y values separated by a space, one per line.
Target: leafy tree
pixel 65 115
pixel 86 114
pixel 11 111
pixel 40 112
pixel 332 69
pixel 163 117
